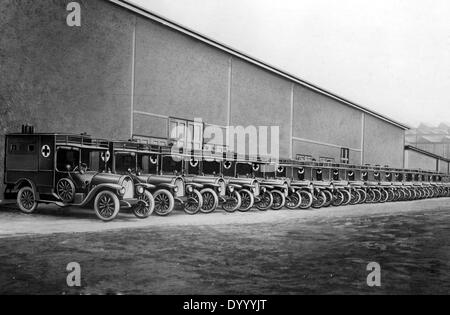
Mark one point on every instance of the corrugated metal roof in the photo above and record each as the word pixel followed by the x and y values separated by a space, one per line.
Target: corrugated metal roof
pixel 145 12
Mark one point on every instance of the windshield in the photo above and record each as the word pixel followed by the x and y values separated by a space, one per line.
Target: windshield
pixel 211 167
pixel 170 166
pixel 243 169
pixel 69 158
pixel 148 164
pixel 125 161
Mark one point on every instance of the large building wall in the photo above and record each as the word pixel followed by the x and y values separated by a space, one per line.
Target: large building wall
pixel 417 160
pixel 63 79
pixel 260 98
pixel 322 126
pixel 121 74
pixel 383 143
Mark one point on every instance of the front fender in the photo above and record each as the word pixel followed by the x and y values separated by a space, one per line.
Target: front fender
pixel 236 186
pixel 195 185
pixel 166 186
pixel 96 190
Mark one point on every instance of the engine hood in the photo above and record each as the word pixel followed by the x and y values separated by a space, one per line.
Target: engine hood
pixel 106 178
pixel 203 179
pixel 158 179
pixel 242 181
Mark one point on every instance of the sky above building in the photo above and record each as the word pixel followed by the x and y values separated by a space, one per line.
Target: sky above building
pixel 392 56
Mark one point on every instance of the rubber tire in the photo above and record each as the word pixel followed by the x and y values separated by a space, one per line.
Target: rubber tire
pixel 147 197
pixel 294 205
pixel 21 207
pixel 169 198
pixel 116 201
pixel 236 207
pixel 338 201
pixel 265 208
pixel 245 208
pixel 307 200
pixel 282 197
pixel 347 197
pixel 72 188
pixel 355 197
pixel 215 200
pixel 319 203
pixel 199 197
pixel 329 197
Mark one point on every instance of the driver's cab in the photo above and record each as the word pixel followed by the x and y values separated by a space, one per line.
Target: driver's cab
pixel 81 162
pixel 172 162
pixel 135 158
pixel 212 165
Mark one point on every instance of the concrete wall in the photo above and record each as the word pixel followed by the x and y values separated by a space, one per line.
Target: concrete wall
pixel 63 79
pixel 417 160
pixel 383 143
pixel 328 123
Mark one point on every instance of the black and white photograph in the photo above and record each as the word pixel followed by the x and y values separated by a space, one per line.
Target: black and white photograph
pixel 226 152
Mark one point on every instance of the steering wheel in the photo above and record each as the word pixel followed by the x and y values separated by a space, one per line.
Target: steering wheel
pixel 81 168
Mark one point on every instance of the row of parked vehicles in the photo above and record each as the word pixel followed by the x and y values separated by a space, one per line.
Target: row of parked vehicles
pixel 110 176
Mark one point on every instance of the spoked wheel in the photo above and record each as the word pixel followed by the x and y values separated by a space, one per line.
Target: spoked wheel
pixel 194 203
pixel 329 199
pixel 266 201
pixel 279 200
pixel 143 211
pixel 306 200
pixel 355 197
pixel 232 204
pixel 294 200
pixel 363 196
pixel 319 200
pixel 377 194
pixel 164 202
pixel 106 206
pixel 247 200
pixel 370 196
pixel 66 190
pixel 210 200
pixel 347 197
pixel 338 198
pixel 391 195
pixel 26 200
pixel 384 195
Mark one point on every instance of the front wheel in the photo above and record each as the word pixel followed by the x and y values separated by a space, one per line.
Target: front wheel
pixel 307 200
pixel 210 200
pixel 279 200
pixel 338 198
pixel 144 211
pixel 194 203
pixel 164 202
pixel 266 201
pixel 319 200
pixel 294 200
pixel 232 204
pixel 247 200
pixel 106 206
pixel 26 200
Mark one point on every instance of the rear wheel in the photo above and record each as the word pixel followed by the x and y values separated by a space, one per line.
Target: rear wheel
pixel 106 206
pixel 247 200
pixel 306 200
pixel 362 196
pixel 294 200
pixel 210 200
pixel 164 202
pixel 266 201
pixel 232 204
pixel 26 200
pixel 142 211
pixel 279 200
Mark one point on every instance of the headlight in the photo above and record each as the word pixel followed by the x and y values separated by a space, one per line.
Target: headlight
pixel 122 191
pixel 219 189
pixel 190 189
pixel 175 189
pixel 231 189
pixel 263 189
pixel 140 190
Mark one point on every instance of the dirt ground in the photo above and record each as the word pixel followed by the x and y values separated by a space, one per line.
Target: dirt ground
pixel 323 251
